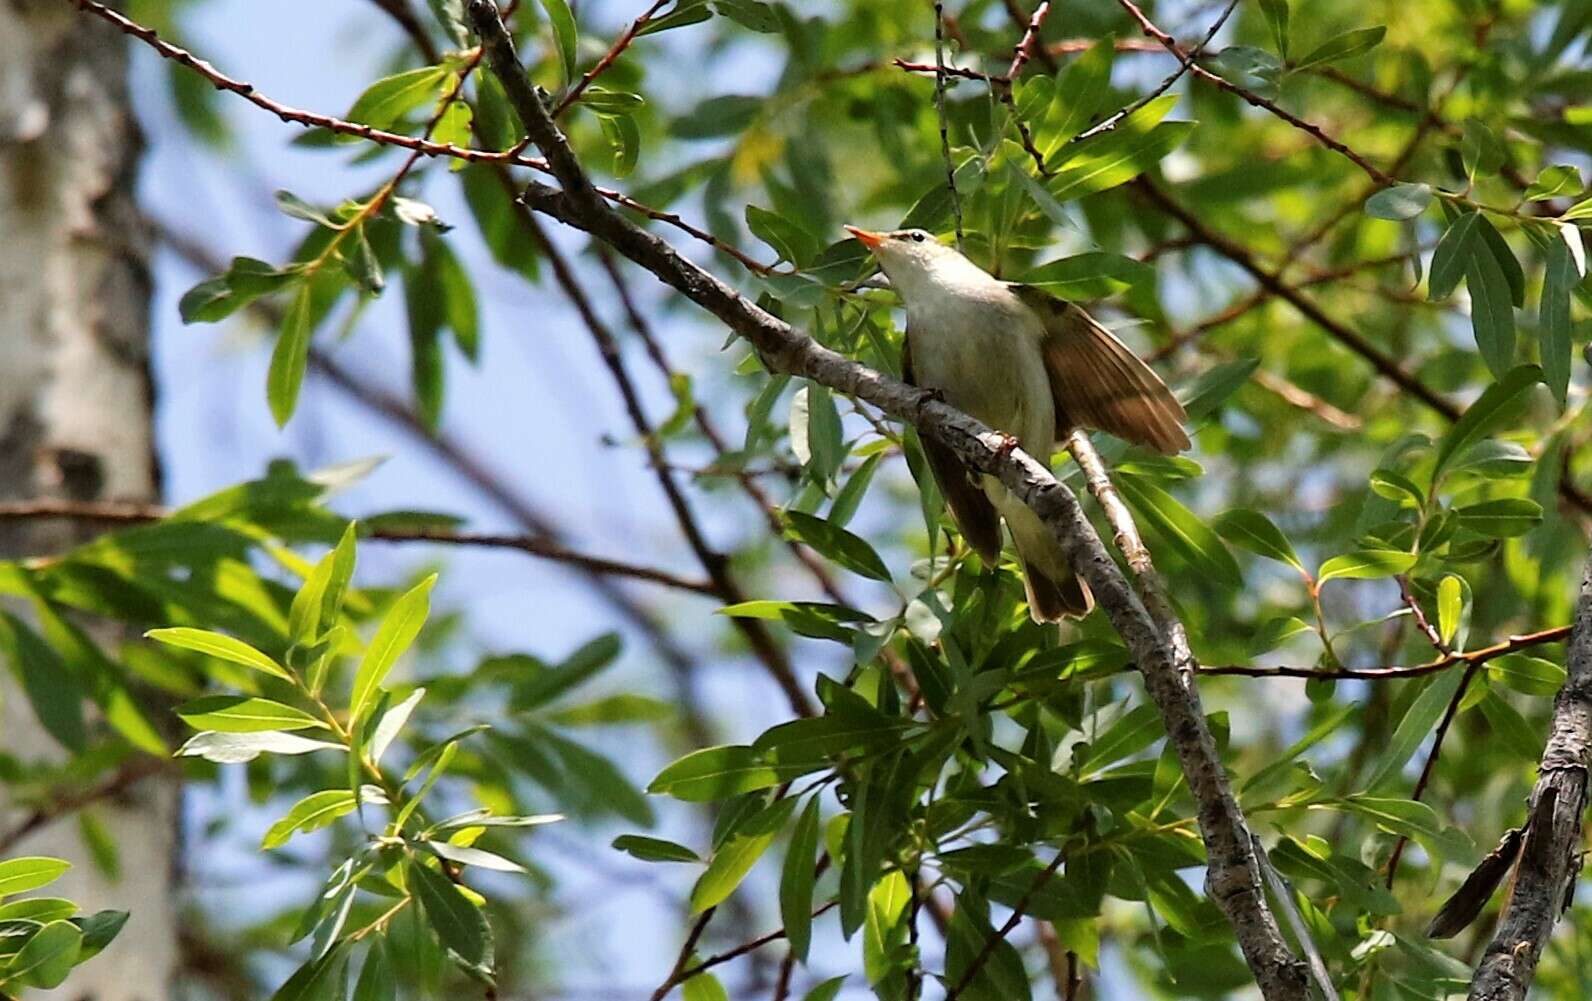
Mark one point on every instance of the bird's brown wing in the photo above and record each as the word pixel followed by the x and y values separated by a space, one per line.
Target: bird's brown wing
pixel 975 515
pixel 1099 383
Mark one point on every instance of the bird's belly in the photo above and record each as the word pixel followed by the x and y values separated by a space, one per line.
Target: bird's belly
pixel 996 376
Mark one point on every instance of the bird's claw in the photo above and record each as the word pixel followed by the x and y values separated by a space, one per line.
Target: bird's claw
pixel 1006 444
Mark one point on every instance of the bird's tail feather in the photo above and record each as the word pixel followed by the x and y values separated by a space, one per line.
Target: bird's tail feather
pixel 1054 591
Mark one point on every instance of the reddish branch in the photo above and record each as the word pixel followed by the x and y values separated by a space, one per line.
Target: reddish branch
pixel 67 802
pixel 420 146
pixel 614 52
pixel 1250 97
pixel 1471 657
pixel 118 512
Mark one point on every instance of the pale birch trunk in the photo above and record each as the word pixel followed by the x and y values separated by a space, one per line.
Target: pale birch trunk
pixel 75 411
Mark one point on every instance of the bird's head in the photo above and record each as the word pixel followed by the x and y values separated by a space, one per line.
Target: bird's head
pixel 914 259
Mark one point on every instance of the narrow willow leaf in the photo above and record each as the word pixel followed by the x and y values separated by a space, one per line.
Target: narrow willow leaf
pixel 474 856
pixel 385 102
pixel 377 980
pixel 1344 46
pixel 397 631
pixel 1089 276
pixel 850 495
pixel 735 857
pixel 459 924
pixel 654 849
pixel 1504 518
pixel 1181 529
pixel 1495 405
pixel 1559 180
pixel 1414 728
pixel 1081 92
pixel 1366 564
pixel 222 647
pixel 313 812
pixel 242 714
pixel 1253 531
pixel 391 723
pixel 46 958
pixel 1553 320
pixel 1492 317
pixel 850 551
pixel 289 357
pixel 716 773
pixel 1449 607
pixel 1401 201
pixel 236 748
pixel 1118 156
pixel 565 33
pixel 1452 255
pixel 796 881
pixel 1276 14
pixel 19 875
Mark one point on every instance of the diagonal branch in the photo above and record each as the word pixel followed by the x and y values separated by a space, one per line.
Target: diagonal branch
pixel 1549 860
pixel 1233 875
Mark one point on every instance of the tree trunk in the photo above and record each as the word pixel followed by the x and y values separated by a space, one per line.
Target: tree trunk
pixel 75 414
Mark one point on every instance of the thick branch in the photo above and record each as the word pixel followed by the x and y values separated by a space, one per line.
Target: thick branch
pixel 1549 859
pixel 1233 875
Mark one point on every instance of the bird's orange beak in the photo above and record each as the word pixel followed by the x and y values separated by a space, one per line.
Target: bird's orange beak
pixel 867 237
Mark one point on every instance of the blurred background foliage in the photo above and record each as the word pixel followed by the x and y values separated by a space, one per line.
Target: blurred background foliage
pixel 1377 236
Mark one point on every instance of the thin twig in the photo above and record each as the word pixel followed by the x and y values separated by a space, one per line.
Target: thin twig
pixel 425 147
pixel 609 58
pixel 1185 62
pixel 999 935
pixel 1470 657
pixel 945 126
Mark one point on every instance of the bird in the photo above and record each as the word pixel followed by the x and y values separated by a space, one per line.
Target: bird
pixel 1031 366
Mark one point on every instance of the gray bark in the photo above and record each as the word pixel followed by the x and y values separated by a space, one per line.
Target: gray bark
pixel 75 415
pixel 1550 857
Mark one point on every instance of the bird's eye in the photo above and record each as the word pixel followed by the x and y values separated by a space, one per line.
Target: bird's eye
pixel 917 236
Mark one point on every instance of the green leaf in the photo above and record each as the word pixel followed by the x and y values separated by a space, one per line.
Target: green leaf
pixel 654 849
pixel 377 980
pixel 703 986
pixel 323 978
pixel 1450 605
pixel 624 138
pixel 790 241
pixel 99 930
pixel 221 647
pixel 1480 151
pixel 243 714
pixel 1559 180
pixel 1401 201
pixel 289 357
pixel 715 773
pixel 725 115
pixel 1366 564
pixel 806 618
pixel 1514 276
pixel 1493 276
pixel 466 855
pixel 1414 820
pixel 1509 727
pixel 19 875
pixel 1140 727
pixel 361 264
pixel 736 856
pixel 827 990
pixel 246 280
pixel 320 598
pixel 397 631
pixel 1253 531
pixel 295 207
pixel 796 881
pixel 236 748
pixel 1504 518
pixel 750 14
pixel 618 709
pixel 565 33
pixel 1276 14
pixel 46 958
pixel 1181 529
pixel 1215 385
pixel 1530 675
pixel 683 15
pixel 385 102
pixel 1452 256
pixel 459 924
pixel 313 812
pixel 850 496
pixel 1559 279
pixel 1417 724
pixel 1104 161
pixel 1344 46
pixel 1089 276
pixel 1081 92
pixel 815 431
pixel 391 724
pixel 1493 407
pixel 848 550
